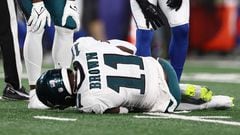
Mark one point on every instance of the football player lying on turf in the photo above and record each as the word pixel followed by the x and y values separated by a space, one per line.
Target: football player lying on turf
pixel 107 79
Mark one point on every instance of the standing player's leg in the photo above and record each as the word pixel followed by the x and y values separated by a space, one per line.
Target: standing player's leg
pixel 61 51
pixel 179 23
pixel 144 35
pixel 32 47
pixel 63 38
pixel 33 55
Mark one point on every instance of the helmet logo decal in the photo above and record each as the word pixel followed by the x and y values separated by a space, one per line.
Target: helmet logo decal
pixel 52 83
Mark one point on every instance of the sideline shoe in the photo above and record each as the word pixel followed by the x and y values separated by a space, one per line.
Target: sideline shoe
pixel 10 93
pixel 195 94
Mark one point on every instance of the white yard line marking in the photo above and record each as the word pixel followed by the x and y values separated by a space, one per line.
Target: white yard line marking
pixel 0 98
pixel 149 117
pixel 53 118
pixel 180 112
pixel 203 117
pixel 214 117
pixel 189 118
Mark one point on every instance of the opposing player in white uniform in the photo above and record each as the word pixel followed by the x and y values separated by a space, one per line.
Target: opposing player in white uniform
pixel 147 17
pixel 65 15
pixel 108 79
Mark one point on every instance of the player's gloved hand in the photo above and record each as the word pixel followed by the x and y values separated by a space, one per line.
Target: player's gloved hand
pixel 151 13
pixel 70 10
pixel 174 4
pixel 39 17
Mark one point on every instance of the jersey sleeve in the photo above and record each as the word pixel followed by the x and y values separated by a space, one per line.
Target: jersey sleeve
pixel 92 105
pixel 121 43
pixel 98 102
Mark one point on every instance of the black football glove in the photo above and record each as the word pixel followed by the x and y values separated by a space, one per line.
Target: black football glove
pixel 174 4
pixel 151 13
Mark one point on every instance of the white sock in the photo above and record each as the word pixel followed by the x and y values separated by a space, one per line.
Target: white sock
pixel 61 51
pixel 33 56
pixel 34 102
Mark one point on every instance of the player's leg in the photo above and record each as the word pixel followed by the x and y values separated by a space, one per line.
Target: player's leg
pixel 144 35
pixel 196 94
pixel 172 80
pixel 63 38
pixel 32 47
pixel 179 23
pixel 217 102
pixel 33 56
pixel 61 51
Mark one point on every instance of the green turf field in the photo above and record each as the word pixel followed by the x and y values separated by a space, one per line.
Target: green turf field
pixel 16 119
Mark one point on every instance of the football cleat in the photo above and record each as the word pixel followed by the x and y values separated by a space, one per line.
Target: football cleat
pixel 195 94
pixel 9 93
pixel 220 102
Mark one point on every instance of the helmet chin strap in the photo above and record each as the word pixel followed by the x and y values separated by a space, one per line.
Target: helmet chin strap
pixel 77 80
pixel 66 80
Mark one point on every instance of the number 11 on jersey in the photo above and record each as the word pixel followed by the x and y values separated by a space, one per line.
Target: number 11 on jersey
pixel 115 82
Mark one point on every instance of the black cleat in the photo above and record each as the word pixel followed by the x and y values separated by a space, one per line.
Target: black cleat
pixel 9 93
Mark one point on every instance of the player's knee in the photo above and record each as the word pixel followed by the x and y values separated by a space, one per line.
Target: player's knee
pixel 70 23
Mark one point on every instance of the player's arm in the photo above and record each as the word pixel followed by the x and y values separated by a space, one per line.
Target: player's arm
pixel 121 110
pixel 39 17
pixel 99 103
pixel 90 105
